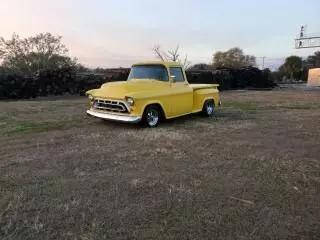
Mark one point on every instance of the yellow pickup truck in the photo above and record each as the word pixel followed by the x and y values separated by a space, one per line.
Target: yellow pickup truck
pixel 153 91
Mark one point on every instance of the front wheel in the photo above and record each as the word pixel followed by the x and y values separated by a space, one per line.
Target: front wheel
pixel 208 108
pixel 151 116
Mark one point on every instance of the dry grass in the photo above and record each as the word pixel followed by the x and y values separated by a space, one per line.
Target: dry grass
pixel 252 172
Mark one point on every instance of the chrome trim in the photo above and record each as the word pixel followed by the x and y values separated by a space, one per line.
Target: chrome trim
pixel 119 105
pixel 114 117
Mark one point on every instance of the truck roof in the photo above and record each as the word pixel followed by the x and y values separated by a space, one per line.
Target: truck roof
pixel 165 63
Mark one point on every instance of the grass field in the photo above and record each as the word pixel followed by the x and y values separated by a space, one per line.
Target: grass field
pixel 251 172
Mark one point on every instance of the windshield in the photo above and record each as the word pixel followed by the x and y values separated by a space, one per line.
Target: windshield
pixel 155 72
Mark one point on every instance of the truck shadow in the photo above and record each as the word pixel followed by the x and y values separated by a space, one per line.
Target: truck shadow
pixel 183 119
pixel 164 123
pixel 220 116
pixel 115 124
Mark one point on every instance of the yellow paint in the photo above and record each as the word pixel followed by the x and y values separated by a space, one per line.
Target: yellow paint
pixel 175 98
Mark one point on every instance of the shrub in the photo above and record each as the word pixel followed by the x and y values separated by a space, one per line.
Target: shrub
pixel 249 77
pixel 69 81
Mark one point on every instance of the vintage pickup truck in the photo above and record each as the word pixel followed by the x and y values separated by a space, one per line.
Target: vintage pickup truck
pixel 153 91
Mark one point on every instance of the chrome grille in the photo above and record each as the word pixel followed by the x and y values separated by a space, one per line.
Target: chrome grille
pixel 110 105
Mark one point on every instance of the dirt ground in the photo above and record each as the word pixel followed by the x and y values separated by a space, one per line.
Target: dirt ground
pixel 251 172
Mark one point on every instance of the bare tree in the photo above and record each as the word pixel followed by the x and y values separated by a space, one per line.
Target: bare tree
pixel 174 54
pixel 159 54
pixel 186 63
pixel 171 55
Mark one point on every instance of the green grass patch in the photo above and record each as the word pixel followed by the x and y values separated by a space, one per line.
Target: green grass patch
pixel 243 106
pixel 306 106
pixel 27 127
pixel 7 184
pixel 23 117
pixel 24 127
pixel 50 187
pixel 252 107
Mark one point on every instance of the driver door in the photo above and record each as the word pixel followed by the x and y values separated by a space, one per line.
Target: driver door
pixel 181 93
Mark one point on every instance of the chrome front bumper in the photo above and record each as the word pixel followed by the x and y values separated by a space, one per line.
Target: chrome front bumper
pixel 114 117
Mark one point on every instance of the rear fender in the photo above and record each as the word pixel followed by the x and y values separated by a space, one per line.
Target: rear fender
pixel 202 95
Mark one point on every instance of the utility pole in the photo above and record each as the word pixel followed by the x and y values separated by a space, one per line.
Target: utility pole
pixel 263 62
pixel 262 65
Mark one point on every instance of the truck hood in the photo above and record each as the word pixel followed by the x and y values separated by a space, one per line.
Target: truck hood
pixel 132 88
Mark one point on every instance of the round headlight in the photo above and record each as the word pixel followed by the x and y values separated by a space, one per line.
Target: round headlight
pixel 91 98
pixel 130 101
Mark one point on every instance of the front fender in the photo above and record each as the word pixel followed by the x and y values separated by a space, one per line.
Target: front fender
pixel 165 111
pixel 141 104
pixel 90 92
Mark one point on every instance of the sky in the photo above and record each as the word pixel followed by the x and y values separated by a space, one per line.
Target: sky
pixel 110 33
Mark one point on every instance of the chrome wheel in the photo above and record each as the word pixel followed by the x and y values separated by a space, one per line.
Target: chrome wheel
pixel 152 117
pixel 210 108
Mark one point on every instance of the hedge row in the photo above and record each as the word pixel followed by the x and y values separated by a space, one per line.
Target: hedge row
pixel 68 81
pixel 234 78
pixel 57 82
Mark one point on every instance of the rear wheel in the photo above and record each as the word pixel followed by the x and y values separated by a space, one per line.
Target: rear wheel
pixel 208 108
pixel 151 116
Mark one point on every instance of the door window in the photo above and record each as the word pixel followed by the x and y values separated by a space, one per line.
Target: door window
pixel 177 73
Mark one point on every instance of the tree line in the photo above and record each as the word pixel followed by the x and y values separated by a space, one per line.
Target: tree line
pixel 296 68
pixel 40 65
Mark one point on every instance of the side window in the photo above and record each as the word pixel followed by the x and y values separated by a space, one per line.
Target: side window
pixel 177 73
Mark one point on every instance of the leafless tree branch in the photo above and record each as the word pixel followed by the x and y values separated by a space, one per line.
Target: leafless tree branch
pixel 159 54
pixel 171 55
pixel 174 54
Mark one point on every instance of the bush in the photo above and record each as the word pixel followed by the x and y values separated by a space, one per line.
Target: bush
pixel 248 77
pixel 69 81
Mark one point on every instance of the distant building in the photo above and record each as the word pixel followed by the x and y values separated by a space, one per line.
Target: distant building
pixel 314 77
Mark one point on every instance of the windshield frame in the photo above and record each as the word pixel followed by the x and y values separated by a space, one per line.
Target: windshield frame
pixel 151 65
